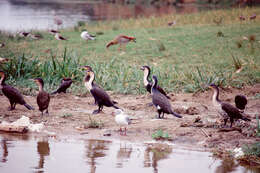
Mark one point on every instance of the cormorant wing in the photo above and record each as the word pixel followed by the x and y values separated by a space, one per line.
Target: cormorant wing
pixel 161 100
pixel 101 96
pixel 13 94
pixel 43 100
pixel 231 110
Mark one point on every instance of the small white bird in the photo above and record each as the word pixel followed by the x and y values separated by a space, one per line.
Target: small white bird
pixel 86 36
pixel 121 119
pixel 23 34
pixel 59 37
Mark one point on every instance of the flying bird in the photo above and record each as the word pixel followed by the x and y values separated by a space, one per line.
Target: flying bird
pixel 122 40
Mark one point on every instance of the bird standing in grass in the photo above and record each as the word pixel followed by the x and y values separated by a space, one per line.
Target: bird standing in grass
pixel 99 94
pixel 148 84
pixel 3 60
pixel 13 95
pixel 43 98
pixel 253 17
pixel 225 109
pixel 161 102
pixel 122 40
pixel 53 31
pixel 65 84
pixel 59 37
pixel 86 36
pixel 2 45
pixel 121 119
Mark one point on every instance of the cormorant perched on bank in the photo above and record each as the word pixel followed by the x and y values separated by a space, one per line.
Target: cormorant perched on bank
pixel 65 84
pixel 161 102
pixel 100 96
pixel 148 84
pixel 226 109
pixel 241 102
pixel 43 98
pixel 13 95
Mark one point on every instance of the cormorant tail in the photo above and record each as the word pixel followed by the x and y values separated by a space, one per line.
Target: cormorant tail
pixel 28 106
pixel 176 115
pixel 116 107
pixel 54 92
pixel 245 119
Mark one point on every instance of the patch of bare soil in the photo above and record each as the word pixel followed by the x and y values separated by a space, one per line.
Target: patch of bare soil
pixel 201 125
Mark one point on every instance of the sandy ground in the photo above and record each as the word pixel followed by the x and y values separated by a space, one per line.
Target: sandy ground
pixel 70 115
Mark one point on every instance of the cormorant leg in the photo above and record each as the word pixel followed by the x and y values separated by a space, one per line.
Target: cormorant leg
pixel 11 106
pixel 159 113
pixel 98 110
pixel 125 131
pixel 42 113
pixel 225 121
pixel 14 105
pixel 231 122
pixel 47 112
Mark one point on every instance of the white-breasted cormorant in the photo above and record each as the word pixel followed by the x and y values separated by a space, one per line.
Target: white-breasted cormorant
pixel 13 95
pixel 148 84
pixel 161 102
pixel 225 109
pixel 99 94
pixel 43 98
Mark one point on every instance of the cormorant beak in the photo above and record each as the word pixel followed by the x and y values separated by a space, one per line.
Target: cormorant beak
pixel 142 68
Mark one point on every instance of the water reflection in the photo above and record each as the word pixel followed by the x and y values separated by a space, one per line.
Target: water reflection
pixel 123 154
pixel 34 14
pixel 153 154
pixel 43 150
pixel 95 149
pixel 92 156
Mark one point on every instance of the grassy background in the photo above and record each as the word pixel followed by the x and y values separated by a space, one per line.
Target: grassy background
pixel 186 57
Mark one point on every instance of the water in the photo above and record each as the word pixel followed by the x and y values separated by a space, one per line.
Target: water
pixel 17 15
pixel 30 154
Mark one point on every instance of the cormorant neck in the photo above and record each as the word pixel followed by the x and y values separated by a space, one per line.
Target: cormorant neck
pixel 215 96
pixel 40 87
pixel 154 86
pixel 89 80
pixel 2 80
pixel 146 75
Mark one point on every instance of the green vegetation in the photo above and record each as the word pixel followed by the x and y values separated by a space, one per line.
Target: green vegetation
pixel 185 57
pixel 258 126
pixel 253 149
pixel 94 124
pixel 161 135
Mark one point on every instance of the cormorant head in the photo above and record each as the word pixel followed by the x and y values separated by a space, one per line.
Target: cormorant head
pixel 87 68
pixel 145 67
pixel 39 81
pixel 66 79
pixel 213 86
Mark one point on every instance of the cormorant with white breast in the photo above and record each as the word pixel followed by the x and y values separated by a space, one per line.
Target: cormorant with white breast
pixel 225 109
pixel 99 94
pixel 148 84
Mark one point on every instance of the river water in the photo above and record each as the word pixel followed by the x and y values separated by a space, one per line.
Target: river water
pixel 30 154
pixel 26 15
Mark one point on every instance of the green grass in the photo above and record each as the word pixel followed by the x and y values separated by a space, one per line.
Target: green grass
pixel 186 57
